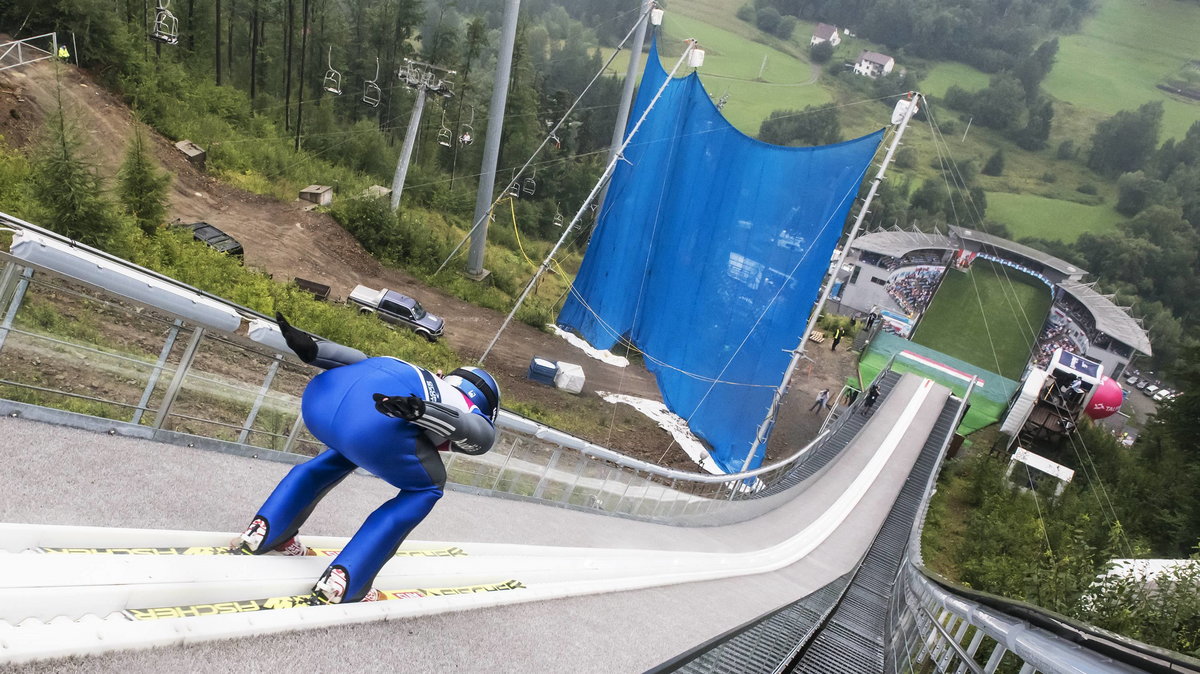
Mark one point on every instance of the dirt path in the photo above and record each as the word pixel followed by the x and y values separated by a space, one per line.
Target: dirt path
pixel 286 240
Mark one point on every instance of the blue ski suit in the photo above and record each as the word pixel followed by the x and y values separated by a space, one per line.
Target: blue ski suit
pixel 339 410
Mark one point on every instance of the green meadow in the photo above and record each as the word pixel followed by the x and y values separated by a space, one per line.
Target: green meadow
pixel 1031 215
pixel 1122 52
pixel 946 74
pixel 1114 63
pixel 756 79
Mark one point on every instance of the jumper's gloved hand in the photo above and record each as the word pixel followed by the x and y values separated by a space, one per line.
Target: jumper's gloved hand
pixel 297 340
pixel 409 408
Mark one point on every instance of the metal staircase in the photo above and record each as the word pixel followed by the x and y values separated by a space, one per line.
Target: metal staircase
pixel 841 627
pixel 848 424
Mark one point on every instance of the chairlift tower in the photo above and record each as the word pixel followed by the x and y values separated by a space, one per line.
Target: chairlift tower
pixel 491 144
pixel 423 78
pixel 651 16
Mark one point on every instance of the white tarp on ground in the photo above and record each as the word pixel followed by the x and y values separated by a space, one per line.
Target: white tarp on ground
pixel 575 341
pixel 672 423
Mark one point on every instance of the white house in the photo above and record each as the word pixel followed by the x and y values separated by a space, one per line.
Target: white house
pixel 874 64
pixel 825 33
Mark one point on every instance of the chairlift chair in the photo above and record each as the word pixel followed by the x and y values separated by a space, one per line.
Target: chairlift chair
pixel 372 94
pixel 513 191
pixel 166 25
pixel 558 218
pixel 333 78
pixel 466 132
pixel 553 136
pixel 529 185
pixel 443 137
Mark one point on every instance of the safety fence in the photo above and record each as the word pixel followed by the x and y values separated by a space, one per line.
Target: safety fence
pixel 120 348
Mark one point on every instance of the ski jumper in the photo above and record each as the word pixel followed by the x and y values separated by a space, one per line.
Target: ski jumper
pixel 339 410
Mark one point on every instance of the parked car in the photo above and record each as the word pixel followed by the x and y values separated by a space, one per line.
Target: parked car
pixel 398 309
pixel 214 238
pixel 1142 384
pixel 1161 395
pixel 1151 389
pixel 1131 379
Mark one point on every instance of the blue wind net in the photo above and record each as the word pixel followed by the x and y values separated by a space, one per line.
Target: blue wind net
pixel 708 255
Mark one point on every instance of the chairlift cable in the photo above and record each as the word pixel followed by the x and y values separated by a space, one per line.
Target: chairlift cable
pixel 1009 291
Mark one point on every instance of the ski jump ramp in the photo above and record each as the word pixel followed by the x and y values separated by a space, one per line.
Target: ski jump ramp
pixel 489 584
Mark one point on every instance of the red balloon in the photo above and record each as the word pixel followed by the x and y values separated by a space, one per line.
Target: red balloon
pixel 1106 400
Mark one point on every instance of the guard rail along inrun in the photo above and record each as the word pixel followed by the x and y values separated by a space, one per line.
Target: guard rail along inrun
pixel 149 356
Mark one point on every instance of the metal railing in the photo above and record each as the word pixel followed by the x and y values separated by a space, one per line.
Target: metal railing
pixel 936 625
pixel 142 367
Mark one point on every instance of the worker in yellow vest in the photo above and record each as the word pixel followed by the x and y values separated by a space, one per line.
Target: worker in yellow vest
pixel 63 53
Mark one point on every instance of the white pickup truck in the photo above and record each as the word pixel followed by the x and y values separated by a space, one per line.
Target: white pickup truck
pixel 398 309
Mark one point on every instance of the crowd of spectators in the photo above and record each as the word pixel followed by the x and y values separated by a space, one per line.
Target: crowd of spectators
pixel 913 259
pixel 913 289
pixel 1078 314
pixel 1058 335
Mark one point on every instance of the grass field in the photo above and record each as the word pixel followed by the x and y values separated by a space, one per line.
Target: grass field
pixel 1122 52
pixel 758 79
pixel 1030 215
pixel 988 317
pixel 943 75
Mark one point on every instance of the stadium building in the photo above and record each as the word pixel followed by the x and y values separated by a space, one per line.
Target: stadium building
pixel 896 273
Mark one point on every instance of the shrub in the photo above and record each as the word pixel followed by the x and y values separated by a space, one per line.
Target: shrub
pixel 821 52
pixel 995 164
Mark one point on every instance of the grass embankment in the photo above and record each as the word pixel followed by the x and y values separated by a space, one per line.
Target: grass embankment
pixel 989 316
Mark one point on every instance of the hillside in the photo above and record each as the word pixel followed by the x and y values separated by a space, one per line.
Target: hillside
pixel 288 240
pixel 1116 61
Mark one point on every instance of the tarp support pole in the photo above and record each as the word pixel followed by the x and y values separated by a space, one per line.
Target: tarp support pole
pixel 591 195
pixel 798 353
pixel 631 75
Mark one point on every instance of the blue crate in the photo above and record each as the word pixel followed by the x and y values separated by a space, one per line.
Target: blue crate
pixel 543 370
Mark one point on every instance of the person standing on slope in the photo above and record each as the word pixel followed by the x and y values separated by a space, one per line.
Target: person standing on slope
pixel 389 417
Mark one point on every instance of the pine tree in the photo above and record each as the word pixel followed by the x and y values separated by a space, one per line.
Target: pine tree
pixel 67 188
pixel 142 188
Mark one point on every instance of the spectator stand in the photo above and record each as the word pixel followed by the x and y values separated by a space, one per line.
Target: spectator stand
pixel 914 288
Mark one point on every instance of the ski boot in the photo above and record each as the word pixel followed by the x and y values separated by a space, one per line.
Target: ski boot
pixel 250 540
pixel 331 588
